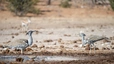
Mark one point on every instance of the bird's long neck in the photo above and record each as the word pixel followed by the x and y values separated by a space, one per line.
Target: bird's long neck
pixel 30 39
pixel 83 40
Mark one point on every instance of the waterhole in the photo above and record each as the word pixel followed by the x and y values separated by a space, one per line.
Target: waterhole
pixel 11 58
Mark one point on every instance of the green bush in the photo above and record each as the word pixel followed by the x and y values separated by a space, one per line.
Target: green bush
pixel 35 2
pixel 34 11
pixel 21 7
pixel 65 4
pixel 112 4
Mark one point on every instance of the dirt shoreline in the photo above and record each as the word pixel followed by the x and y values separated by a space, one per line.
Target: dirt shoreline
pixel 100 58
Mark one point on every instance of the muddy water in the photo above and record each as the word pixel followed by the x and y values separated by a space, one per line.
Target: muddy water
pixel 47 58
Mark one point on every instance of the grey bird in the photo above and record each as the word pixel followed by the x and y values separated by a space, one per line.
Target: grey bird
pixel 91 39
pixel 21 43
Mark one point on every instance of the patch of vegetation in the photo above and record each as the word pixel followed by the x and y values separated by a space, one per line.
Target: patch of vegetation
pixel 112 4
pixel 22 7
pixel 35 2
pixel 34 11
pixel 65 4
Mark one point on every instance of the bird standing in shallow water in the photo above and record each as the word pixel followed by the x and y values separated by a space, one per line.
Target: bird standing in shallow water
pixel 21 43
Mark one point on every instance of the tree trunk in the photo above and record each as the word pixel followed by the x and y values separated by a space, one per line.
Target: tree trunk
pixel 49 2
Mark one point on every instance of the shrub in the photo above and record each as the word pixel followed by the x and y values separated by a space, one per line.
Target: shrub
pixel 65 4
pixel 112 4
pixel 34 11
pixel 21 7
pixel 35 2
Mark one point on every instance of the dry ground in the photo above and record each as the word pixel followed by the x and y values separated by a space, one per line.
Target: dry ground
pixel 58 33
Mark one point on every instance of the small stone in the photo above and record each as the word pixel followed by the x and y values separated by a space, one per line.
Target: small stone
pixel 75 45
pixel 51 33
pixel 67 35
pixel 28 49
pixel 1 46
pixel 34 46
pixel 19 59
pixel 12 36
pixel 48 40
pixel 75 41
pixel 8 41
pixel 6 51
pixel 92 30
pixel 42 46
pixel 96 48
pixel 16 34
pixel 103 48
pixel 61 46
pixel 59 40
pixel 36 41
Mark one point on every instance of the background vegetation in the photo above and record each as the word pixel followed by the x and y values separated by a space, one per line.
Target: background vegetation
pixel 21 7
pixel 65 4
pixel 112 4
